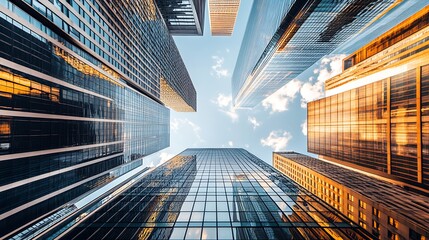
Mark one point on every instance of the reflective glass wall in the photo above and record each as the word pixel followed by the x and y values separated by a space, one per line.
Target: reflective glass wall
pixel 216 194
pixel 359 126
pixel 79 99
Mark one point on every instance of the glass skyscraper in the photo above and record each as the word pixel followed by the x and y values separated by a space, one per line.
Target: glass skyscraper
pixel 83 89
pixel 212 194
pixel 386 210
pixel 374 117
pixel 277 47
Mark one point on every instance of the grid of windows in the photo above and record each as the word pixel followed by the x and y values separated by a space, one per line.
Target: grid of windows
pixel 216 194
pixel 351 126
pixel 79 94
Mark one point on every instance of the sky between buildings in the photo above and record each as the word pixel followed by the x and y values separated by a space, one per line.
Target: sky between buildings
pixel 279 122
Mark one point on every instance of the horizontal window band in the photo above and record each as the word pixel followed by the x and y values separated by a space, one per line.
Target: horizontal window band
pixel 38 74
pixel 51 151
pixel 12 113
pixel 56 172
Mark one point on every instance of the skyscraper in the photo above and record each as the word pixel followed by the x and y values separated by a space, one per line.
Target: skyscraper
pixel 222 16
pixel 374 116
pixel 386 210
pixel 213 194
pixel 82 85
pixel 279 46
pixel 183 17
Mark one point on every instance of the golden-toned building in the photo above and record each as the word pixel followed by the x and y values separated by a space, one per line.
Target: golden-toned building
pixel 222 16
pixel 375 116
pixel 384 209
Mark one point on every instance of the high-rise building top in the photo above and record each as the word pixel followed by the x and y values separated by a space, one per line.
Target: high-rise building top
pixel 183 17
pixel 278 47
pixel 375 115
pixel 80 99
pixel 214 194
pixel 368 201
pixel 223 14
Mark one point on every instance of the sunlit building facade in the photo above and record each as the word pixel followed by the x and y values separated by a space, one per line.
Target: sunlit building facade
pixel 183 17
pixel 213 194
pixel 384 209
pixel 223 14
pixel 80 99
pixel 374 117
pixel 277 47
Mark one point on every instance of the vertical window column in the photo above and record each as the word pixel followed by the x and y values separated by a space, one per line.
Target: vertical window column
pixel 403 126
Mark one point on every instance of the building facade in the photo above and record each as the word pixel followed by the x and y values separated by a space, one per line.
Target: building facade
pixel 80 99
pixel 214 194
pixel 295 35
pixel 183 17
pixel 374 117
pixel 386 210
pixel 223 14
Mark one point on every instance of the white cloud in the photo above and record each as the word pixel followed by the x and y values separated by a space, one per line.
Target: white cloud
pixel 230 143
pixel 254 122
pixel 328 68
pixel 277 140
pixel 177 124
pixel 227 50
pixel 246 145
pixel 279 101
pixel 224 103
pixel 310 92
pixel 304 127
pixel 231 113
pixel 174 125
pixel 223 100
pixel 218 68
pixel 165 157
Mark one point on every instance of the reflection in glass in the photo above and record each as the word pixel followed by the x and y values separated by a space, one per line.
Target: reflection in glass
pixel 255 208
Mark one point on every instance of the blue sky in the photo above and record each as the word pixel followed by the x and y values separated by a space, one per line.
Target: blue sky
pixel 278 123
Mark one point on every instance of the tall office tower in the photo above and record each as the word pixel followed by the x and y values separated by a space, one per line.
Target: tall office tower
pixel 222 16
pixel 385 209
pixel 375 115
pixel 183 17
pixel 81 90
pixel 278 46
pixel 213 194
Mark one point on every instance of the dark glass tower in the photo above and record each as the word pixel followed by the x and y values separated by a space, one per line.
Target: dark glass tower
pixel 183 17
pixel 83 86
pixel 214 194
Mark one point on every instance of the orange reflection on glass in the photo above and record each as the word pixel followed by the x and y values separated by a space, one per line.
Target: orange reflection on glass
pixel 4 128
pixel 85 68
pixel 13 84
